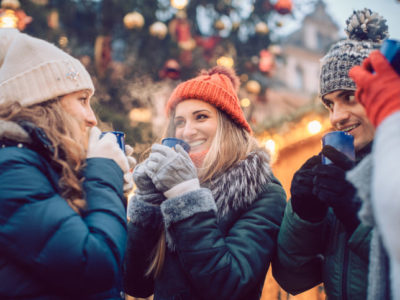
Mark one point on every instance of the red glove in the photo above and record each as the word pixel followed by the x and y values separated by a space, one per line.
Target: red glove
pixel 378 92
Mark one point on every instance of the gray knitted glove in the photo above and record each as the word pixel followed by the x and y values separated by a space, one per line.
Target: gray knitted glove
pixel 172 172
pixel 146 191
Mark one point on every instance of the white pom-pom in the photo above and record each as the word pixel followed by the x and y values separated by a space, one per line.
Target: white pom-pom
pixel 365 25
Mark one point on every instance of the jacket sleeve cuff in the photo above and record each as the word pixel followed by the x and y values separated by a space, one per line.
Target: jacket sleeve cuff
pixel 296 221
pixel 182 188
pixel 143 214
pixel 183 207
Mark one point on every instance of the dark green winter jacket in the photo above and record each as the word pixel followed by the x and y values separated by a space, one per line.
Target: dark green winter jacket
pixel 220 239
pixel 311 253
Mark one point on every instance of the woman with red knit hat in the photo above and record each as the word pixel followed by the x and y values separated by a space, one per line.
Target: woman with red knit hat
pixel 203 224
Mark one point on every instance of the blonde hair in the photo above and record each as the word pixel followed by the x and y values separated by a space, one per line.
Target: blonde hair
pixel 230 145
pixel 64 133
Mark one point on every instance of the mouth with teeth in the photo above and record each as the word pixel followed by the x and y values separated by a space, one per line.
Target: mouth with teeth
pixel 350 128
pixel 196 143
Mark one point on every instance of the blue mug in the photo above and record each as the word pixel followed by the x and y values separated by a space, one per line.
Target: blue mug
pixel 391 50
pixel 172 142
pixel 340 140
pixel 120 138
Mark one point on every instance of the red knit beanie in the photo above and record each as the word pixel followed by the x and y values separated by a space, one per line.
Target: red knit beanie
pixel 216 86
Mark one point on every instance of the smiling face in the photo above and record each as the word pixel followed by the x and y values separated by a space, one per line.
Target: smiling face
pixel 196 123
pixel 346 114
pixel 78 105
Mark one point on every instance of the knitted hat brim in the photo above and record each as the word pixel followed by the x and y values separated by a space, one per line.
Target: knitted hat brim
pixel 211 93
pixel 32 86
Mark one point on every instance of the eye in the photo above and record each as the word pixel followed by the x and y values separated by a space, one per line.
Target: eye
pixel 83 100
pixel 328 104
pixel 178 123
pixel 201 117
pixel 350 98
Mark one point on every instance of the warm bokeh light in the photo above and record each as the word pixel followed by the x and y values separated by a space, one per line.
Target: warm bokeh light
pixel 140 115
pixel 225 61
pixel 8 19
pixel 262 28
pixel 253 87
pixel 270 145
pixel 63 41
pixel 245 102
pixel 133 20
pixel 179 4
pixel 314 127
pixel 158 29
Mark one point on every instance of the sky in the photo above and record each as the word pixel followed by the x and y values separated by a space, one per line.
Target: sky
pixel 340 10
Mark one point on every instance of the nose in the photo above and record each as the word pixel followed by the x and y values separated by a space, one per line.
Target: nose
pixel 339 115
pixel 90 118
pixel 189 130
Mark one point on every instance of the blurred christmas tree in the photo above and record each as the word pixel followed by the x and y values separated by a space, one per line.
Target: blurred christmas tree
pixel 138 50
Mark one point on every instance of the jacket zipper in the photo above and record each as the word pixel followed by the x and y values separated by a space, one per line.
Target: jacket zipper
pixel 345 269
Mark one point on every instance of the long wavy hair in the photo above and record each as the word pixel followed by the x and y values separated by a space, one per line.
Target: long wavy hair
pixel 230 145
pixel 65 135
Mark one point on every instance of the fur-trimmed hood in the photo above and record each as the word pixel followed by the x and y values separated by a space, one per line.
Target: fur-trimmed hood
pixel 239 186
pixel 14 132
pixel 25 134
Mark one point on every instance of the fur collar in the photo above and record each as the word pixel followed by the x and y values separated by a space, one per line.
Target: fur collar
pixel 240 185
pixel 14 132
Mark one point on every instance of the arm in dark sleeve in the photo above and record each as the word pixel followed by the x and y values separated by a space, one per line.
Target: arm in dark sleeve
pixel 40 231
pixel 297 265
pixel 144 229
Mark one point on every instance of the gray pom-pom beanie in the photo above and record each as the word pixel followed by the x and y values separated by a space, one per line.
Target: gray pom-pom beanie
pixel 365 30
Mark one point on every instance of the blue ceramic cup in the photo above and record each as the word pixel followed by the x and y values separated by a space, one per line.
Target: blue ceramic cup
pixel 172 142
pixel 120 138
pixel 340 140
pixel 391 50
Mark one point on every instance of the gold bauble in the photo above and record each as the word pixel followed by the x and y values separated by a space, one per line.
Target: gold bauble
pixel 225 61
pixel 158 29
pixel 133 20
pixel 187 45
pixel 275 49
pixel 179 4
pixel 253 87
pixel 262 28
pixel 219 25
pixel 12 4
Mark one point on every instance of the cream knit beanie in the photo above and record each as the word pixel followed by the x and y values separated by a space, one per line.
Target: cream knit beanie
pixel 34 71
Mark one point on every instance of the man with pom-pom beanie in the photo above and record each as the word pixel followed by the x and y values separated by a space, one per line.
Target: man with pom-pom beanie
pixel 321 239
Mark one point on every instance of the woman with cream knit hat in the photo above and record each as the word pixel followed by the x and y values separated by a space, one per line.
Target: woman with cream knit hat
pixel 62 213
pixel 203 224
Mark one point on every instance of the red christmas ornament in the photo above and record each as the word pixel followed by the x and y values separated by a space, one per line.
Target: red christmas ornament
pixel 266 62
pixel 23 19
pixel 180 30
pixel 171 69
pixel 283 6
pixel 208 44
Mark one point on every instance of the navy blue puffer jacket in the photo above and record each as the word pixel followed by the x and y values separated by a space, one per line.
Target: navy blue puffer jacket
pixel 47 250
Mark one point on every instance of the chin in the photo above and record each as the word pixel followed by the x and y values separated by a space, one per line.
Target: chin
pixel 359 146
